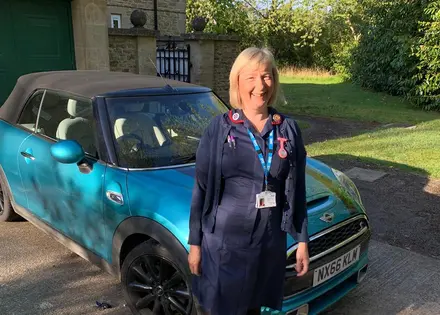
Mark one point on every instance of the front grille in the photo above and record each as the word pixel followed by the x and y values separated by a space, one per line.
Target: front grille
pixel 326 241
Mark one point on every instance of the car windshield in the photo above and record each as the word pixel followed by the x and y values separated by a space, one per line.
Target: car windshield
pixel 157 131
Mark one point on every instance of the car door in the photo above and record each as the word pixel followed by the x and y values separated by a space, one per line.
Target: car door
pixel 11 139
pixel 65 196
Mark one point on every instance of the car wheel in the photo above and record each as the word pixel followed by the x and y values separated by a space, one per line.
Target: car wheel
pixel 7 213
pixel 155 283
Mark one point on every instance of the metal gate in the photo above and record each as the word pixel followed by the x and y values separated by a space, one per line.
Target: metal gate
pixel 173 60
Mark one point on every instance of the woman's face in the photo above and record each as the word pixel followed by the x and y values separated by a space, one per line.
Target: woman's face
pixel 255 86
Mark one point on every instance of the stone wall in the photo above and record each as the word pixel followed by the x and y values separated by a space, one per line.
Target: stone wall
pixel 132 50
pixel 225 52
pixel 212 57
pixel 123 53
pixel 170 13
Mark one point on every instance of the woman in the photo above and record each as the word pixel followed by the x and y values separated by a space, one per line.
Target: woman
pixel 249 192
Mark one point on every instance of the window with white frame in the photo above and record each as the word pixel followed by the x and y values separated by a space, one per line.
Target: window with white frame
pixel 116 20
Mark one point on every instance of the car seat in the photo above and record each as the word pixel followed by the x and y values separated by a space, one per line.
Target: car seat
pixel 136 122
pixel 77 127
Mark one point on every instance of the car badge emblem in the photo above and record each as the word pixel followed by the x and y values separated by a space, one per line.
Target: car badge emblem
pixel 327 217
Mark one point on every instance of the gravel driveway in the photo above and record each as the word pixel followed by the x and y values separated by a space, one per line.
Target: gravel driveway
pixel 39 276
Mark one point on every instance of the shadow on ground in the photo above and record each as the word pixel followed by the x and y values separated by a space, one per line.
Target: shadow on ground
pixel 67 286
pixel 402 206
pixel 323 129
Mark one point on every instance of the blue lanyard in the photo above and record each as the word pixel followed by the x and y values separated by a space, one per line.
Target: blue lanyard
pixel 266 167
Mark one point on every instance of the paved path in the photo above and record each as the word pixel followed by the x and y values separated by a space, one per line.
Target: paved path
pixel 39 276
pixel 398 282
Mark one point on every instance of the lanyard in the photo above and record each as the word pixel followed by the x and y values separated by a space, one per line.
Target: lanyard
pixel 266 167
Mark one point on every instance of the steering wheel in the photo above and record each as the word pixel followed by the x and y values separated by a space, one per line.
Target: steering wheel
pixel 137 146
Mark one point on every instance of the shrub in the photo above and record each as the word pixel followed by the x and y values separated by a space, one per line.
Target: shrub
pixel 399 52
pixel 426 92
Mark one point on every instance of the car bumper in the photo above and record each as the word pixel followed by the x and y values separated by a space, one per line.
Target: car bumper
pixel 314 300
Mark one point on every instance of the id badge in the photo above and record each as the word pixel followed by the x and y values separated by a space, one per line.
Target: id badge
pixel 266 199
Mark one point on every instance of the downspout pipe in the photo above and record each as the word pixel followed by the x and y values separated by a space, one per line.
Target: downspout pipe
pixel 155 15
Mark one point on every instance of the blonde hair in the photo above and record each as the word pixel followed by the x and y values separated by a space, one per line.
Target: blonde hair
pixel 253 55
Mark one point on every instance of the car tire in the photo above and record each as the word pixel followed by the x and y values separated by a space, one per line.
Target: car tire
pixel 7 213
pixel 152 278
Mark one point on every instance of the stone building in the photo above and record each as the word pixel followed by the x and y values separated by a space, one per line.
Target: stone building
pixel 166 16
pixel 44 35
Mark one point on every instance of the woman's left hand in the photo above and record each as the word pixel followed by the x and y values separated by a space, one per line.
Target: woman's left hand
pixel 302 259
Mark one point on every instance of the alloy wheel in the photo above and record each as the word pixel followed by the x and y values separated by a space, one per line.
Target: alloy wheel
pixel 157 287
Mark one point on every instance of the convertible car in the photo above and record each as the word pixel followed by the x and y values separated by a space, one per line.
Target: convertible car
pixel 104 162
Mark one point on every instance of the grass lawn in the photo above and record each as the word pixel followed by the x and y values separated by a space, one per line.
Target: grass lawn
pixel 330 97
pixel 412 149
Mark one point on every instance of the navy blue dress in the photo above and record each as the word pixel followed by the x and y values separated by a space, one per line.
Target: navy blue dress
pixel 244 259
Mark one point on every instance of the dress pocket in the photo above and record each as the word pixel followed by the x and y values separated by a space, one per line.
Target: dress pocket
pixel 291 153
pixel 236 148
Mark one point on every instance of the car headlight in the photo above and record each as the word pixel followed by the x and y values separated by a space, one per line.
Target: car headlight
pixel 349 186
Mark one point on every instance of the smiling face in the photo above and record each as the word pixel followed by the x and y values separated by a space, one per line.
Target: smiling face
pixel 255 85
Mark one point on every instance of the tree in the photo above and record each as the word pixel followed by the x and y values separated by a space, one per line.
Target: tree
pixel 341 34
pixel 426 91
pixel 299 32
pixel 399 50
pixel 383 60
pixel 223 16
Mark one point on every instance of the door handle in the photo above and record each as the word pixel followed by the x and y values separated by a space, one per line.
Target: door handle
pixel 115 197
pixel 27 155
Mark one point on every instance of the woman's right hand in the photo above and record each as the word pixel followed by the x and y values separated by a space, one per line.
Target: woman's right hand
pixel 194 259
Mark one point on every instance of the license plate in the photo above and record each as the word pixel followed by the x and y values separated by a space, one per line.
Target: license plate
pixel 336 266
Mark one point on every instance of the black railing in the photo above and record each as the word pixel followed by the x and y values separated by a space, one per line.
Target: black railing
pixel 173 60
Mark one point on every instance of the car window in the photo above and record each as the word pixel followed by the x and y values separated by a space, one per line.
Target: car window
pixel 161 130
pixel 28 117
pixel 67 117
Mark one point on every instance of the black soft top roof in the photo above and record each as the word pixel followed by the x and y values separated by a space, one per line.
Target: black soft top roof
pixel 87 83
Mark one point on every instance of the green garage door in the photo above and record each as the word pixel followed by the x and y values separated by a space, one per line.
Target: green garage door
pixel 35 35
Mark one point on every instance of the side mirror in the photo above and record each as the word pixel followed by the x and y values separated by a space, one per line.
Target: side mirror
pixel 67 151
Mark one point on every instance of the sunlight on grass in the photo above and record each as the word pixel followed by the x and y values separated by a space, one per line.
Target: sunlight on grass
pixel 310 79
pixel 411 147
pixel 320 94
pixel 331 97
pixel 304 72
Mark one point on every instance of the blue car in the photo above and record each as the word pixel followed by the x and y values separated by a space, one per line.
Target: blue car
pixel 104 162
